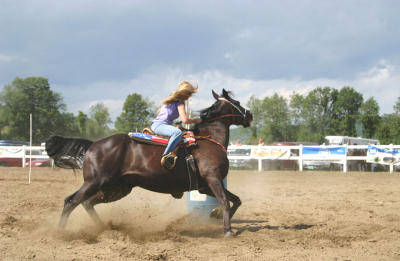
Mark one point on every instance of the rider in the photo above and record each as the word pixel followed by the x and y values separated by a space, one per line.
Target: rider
pixel 172 107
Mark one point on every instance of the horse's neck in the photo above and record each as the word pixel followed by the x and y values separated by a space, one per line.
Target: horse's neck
pixel 217 130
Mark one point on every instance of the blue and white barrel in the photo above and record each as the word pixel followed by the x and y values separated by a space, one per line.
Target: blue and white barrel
pixel 201 205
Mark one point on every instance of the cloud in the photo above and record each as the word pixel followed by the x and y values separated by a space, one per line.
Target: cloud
pixel 5 58
pixel 114 106
pixel 88 41
pixel 104 50
pixel 380 81
pixel 378 74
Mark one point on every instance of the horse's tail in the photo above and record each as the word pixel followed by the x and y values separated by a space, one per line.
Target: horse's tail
pixel 67 152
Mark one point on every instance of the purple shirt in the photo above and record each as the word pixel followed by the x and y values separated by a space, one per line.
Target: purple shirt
pixel 168 113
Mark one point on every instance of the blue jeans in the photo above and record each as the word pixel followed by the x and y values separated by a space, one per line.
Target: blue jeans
pixel 168 130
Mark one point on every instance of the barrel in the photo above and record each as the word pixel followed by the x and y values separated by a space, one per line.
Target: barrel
pixel 201 205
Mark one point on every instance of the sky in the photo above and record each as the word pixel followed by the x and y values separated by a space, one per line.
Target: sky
pixel 102 51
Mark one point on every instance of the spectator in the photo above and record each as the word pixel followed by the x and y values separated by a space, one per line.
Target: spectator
pixel 260 142
pixel 238 143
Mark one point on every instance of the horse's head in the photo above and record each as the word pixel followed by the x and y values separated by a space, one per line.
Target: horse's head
pixel 226 107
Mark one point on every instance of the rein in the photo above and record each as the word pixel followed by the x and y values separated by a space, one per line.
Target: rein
pixel 233 106
pixel 211 140
pixel 224 116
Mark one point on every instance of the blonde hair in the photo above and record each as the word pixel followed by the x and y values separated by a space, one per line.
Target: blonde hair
pixel 184 91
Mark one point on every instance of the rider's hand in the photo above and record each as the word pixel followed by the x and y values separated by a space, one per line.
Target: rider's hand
pixel 197 120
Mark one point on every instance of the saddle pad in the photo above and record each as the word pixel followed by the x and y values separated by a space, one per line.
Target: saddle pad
pixel 147 138
pixel 187 138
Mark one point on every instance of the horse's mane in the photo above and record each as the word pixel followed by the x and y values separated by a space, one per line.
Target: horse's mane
pixel 205 112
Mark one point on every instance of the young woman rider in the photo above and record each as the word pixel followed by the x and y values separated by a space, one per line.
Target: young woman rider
pixel 172 108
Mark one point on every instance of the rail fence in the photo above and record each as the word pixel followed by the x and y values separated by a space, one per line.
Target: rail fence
pixel 305 157
pixel 20 156
pixel 314 156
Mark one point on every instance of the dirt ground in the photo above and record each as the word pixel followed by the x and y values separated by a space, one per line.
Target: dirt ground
pixel 284 216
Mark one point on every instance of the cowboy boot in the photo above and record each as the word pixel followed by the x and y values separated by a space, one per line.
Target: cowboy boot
pixel 168 161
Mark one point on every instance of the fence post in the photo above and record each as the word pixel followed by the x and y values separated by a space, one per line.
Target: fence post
pixel 345 158
pixel 391 164
pixel 300 160
pixel 259 164
pixel 23 156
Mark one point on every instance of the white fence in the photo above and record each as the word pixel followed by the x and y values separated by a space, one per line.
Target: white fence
pixel 21 155
pixel 303 155
pixel 308 155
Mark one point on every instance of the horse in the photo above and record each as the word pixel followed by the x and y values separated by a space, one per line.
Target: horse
pixel 113 166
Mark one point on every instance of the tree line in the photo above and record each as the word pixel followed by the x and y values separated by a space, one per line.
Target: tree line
pixel 34 95
pixel 323 111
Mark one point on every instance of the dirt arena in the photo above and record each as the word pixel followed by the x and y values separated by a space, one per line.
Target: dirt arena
pixel 284 216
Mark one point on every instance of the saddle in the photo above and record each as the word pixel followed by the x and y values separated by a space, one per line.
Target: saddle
pixel 149 137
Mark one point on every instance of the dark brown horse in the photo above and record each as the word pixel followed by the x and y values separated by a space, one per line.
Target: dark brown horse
pixel 114 165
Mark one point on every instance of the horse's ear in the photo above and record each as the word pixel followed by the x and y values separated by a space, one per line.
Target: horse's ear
pixel 225 94
pixel 216 96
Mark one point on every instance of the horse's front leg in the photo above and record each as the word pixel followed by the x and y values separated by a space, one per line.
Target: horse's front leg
pixel 217 189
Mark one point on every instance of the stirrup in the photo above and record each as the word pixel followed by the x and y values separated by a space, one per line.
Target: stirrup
pixel 168 161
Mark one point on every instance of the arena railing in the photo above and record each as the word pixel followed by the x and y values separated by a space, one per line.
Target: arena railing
pixel 330 154
pixel 21 155
pixel 335 154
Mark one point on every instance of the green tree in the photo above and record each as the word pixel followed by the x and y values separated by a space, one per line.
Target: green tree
pixel 137 113
pixel 388 131
pixel 312 114
pixel 296 109
pixel 25 96
pixel 275 119
pixel 255 106
pixel 82 121
pixel 346 111
pixel 3 121
pixel 369 117
pixel 99 119
pixel 67 125
pixel 396 107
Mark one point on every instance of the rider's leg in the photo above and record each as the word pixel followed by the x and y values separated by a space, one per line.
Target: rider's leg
pixel 170 131
pixel 176 137
pixel 175 134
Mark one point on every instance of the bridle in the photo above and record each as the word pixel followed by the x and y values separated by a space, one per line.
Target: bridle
pixel 233 106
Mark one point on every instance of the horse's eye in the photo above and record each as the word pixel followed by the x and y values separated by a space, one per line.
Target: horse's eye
pixel 203 115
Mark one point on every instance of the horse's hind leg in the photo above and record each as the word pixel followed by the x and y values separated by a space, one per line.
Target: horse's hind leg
pixel 72 201
pixel 89 207
pixel 108 193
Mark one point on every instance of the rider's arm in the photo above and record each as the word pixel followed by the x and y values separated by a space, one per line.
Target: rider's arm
pixel 184 118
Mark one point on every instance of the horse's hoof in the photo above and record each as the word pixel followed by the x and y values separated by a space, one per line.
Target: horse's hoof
pixel 216 213
pixel 229 234
pixel 177 195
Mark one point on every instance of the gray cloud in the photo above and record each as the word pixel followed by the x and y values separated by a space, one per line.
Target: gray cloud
pixel 104 50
